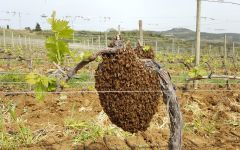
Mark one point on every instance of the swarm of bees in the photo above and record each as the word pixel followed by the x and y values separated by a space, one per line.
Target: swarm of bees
pixel 147 54
pixel 129 92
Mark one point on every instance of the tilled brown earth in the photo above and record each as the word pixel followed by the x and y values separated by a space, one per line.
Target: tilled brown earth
pixel 211 122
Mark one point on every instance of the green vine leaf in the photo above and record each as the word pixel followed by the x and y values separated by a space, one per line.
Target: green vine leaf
pixel 99 59
pixel 86 55
pixel 189 60
pixel 42 84
pixel 171 58
pixel 146 48
pixel 160 57
pixel 56 45
pixel 75 56
pixel 197 72
pixel 177 56
pixel 205 58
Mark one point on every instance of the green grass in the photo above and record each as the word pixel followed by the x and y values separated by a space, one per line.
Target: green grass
pixel 90 129
pixel 81 77
pixel 200 123
pixel 84 130
pixel 12 77
pixel 222 81
pixel 21 136
pixel 181 78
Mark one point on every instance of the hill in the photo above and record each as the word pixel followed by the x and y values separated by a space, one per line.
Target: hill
pixel 189 35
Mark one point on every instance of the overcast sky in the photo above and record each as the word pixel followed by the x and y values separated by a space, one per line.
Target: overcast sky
pixel 101 15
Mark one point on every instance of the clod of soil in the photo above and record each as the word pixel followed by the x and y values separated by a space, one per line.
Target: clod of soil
pixel 114 142
pixel 137 143
pixel 96 145
pixel 154 139
pixel 133 90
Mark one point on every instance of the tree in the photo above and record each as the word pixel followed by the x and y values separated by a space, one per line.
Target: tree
pixel 8 27
pixel 27 28
pixel 38 27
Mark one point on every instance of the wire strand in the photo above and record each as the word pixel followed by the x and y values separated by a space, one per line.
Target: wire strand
pixel 71 92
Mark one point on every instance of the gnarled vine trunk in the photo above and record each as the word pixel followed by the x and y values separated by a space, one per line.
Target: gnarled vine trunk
pixel 170 99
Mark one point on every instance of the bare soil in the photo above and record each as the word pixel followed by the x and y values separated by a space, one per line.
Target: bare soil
pixel 218 109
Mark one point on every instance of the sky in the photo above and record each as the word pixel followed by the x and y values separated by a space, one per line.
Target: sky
pixel 101 15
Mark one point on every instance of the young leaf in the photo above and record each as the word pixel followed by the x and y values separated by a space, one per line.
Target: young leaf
pixel 196 72
pixel 146 48
pixel 56 45
pixel 31 78
pixel 99 59
pixel 86 55
pixel 41 84
pixel 39 92
pixel 44 81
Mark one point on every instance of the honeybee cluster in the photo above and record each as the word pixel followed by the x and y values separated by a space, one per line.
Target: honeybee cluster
pixel 149 54
pixel 128 91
